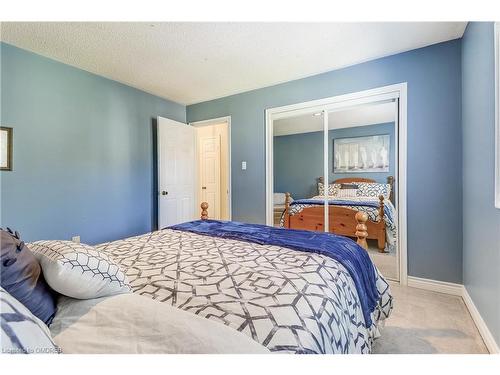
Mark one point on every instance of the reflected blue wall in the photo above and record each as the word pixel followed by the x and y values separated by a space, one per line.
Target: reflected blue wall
pixel 434 171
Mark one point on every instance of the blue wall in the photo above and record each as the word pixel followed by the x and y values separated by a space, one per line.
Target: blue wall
pixel 83 151
pixel 434 150
pixel 298 159
pixel 481 233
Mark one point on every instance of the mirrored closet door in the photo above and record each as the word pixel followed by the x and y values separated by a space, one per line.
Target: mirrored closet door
pixel 332 162
pixel 298 162
pixel 362 144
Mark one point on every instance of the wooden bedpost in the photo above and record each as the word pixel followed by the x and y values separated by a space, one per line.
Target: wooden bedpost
pixel 287 210
pixel 381 213
pixel 381 236
pixel 321 180
pixel 390 181
pixel 361 229
pixel 204 212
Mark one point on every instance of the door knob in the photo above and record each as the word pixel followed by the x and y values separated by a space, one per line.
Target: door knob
pixel 164 192
pixel 204 188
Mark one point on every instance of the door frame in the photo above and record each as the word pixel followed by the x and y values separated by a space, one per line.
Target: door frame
pixel 215 121
pixel 395 92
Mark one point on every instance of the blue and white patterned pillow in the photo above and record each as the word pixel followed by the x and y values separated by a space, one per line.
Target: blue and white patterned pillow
pixel 333 189
pixel 373 190
pixel 79 270
pixel 22 332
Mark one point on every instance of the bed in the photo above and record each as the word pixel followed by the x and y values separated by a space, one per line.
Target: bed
pixel 205 286
pixel 308 214
pixel 287 300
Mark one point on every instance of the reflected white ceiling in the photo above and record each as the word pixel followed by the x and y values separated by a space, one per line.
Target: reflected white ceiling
pixel 195 62
pixel 358 116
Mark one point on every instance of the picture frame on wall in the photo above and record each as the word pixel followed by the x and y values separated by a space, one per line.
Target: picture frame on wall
pixel 5 148
pixel 362 154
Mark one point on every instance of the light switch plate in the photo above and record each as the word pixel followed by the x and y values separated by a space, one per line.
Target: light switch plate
pixel 243 165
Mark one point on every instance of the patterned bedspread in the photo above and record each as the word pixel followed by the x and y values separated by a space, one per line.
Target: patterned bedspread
pixel 287 300
pixel 373 213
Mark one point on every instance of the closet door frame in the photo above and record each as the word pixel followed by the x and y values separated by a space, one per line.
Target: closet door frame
pixel 397 92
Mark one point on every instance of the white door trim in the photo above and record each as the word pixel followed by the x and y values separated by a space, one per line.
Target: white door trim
pixel 219 120
pixel 483 329
pixel 436 286
pixel 396 91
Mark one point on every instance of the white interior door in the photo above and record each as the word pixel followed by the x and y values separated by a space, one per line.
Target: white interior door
pixel 209 166
pixel 176 172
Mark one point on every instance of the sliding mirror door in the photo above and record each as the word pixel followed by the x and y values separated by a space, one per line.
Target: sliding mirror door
pixel 298 167
pixel 362 169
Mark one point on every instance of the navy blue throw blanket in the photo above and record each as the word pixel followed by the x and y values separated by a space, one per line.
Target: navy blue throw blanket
pixel 342 249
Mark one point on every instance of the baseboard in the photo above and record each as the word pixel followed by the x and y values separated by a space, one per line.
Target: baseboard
pixel 488 338
pixel 459 290
pixel 436 286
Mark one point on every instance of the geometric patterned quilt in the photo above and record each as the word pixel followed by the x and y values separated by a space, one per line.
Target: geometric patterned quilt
pixel 287 300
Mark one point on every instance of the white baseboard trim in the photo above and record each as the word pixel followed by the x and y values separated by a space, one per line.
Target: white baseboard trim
pixel 458 290
pixel 436 286
pixel 480 324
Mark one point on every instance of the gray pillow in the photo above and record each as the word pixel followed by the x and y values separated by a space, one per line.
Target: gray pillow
pixel 21 276
pixel 348 186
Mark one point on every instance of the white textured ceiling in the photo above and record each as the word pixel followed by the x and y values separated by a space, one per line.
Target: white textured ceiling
pixel 194 62
pixel 361 115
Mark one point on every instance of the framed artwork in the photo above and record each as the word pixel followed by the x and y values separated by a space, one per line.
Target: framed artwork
pixel 5 148
pixel 362 154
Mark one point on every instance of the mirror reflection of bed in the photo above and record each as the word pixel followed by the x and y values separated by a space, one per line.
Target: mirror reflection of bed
pixel 362 170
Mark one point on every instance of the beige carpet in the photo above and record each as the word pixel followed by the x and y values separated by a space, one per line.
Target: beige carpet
pixel 428 322
pixel 424 322
pixel 387 263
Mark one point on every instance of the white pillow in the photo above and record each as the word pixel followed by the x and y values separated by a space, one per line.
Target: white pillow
pixel 21 331
pixel 78 270
pixel 347 193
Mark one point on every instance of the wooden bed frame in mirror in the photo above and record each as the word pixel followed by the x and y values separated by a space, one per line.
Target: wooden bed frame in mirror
pixel 361 218
pixel 341 220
